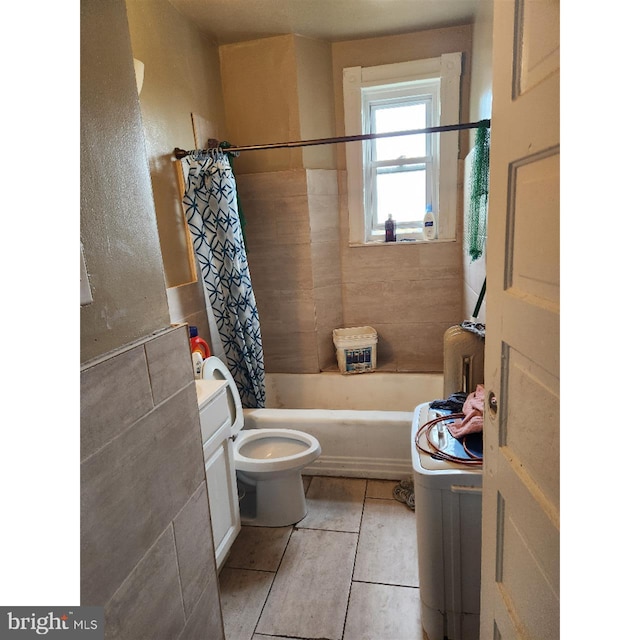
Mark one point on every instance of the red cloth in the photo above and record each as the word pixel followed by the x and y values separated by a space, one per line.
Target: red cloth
pixel 473 410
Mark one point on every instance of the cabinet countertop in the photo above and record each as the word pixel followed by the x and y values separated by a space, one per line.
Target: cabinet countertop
pixel 208 389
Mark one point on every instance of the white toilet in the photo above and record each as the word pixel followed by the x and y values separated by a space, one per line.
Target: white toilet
pixel 268 462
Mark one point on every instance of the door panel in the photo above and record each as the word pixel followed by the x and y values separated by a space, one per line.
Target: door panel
pixel 521 494
pixel 529 434
pixel 533 226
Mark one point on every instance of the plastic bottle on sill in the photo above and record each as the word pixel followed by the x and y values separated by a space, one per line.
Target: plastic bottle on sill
pixel 390 229
pixel 429 225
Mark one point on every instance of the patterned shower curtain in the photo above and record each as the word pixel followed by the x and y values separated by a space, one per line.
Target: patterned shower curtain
pixel 211 206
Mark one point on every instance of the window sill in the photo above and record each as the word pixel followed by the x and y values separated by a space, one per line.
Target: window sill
pixel 406 242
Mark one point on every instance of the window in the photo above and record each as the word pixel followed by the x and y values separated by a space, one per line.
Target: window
pixel 401 175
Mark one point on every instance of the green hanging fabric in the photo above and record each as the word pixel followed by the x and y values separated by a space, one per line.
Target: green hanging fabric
pixel 479 194
pixel 227 145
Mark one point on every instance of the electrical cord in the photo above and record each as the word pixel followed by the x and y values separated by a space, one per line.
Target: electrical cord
pixel 435 452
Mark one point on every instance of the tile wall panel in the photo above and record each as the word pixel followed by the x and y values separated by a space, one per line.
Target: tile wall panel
pixel 206 619
pixel 324 220
pixel 403 291
pixel 184 301
pixel 169 362
pixel 277 206
pixel 411 347
pixel 275 220
pixel 440 260
pixel 114 394
pixel 278 239
pixel 144 517
pixel 324 217
pixel 281 267
pixel 322 182
pixel 187 304
pixel 194 546
pixel 329 317
pixel 401 302
pixel 419 346
pixel 380 264
pixel 132 488
pixel 325 259
pixel 284 183
pixel 148 604
pixel 284 310
pixel 295 352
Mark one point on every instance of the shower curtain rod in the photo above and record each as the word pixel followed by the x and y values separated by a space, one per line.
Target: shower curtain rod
pixel 181 153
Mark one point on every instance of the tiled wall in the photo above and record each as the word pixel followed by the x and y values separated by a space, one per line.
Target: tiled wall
pixel 308 281
pixel 146 541
pixel 293 252
pixel 187 304
pixel 410 293
pixel 324 222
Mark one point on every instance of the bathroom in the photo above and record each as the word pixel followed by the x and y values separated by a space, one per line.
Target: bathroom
pixel 307 278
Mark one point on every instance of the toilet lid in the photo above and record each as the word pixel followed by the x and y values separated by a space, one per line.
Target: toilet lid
pixel 214 368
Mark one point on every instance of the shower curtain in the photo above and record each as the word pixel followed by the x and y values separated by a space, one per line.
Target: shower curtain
pixel 211 207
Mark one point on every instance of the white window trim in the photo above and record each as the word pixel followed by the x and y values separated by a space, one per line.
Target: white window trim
pixel 404 91
pixel 448 68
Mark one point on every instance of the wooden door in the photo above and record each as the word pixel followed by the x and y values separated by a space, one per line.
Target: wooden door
pixel 521 492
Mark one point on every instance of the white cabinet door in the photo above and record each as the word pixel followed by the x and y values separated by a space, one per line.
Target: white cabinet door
pixel 223 499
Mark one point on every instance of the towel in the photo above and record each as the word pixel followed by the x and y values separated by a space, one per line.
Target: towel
pixel 473 410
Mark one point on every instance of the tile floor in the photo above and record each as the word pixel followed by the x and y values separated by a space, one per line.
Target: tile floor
pixel 347 571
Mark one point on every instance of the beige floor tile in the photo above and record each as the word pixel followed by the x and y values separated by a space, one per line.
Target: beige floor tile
pixel 242 596
pixel 381 489
pixel 387 548
pixel 311 590
pixel 383 612
pixel 334 504
pixel 259 548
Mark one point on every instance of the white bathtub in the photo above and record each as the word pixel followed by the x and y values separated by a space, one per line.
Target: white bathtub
pixel 362 421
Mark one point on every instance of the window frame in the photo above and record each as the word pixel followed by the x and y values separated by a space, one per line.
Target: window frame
pixel 446 68
pixel 377 97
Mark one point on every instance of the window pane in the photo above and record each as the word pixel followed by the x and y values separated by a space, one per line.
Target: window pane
pixel 405 118
pixel 402 194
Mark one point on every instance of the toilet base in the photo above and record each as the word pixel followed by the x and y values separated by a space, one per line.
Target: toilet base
pixel 277 502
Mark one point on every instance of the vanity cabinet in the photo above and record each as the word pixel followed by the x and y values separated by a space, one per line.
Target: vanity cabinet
pixel 215 423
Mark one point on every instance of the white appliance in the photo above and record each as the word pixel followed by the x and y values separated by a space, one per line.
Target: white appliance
pixel 448 506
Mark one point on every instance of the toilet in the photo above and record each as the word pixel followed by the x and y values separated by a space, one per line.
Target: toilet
pixel 268 462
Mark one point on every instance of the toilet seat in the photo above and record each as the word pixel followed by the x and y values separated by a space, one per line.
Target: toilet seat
pixel 214 368
pixel 269 443
pixel 268 462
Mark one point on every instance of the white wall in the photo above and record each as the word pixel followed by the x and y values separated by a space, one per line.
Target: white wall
pixel 475 272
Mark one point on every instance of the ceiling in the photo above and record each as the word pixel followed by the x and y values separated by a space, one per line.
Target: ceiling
pixel 229 21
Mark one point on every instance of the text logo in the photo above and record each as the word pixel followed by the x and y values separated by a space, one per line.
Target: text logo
pixel 37 622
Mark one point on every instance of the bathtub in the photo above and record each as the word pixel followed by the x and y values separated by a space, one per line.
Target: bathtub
pixel 363 421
